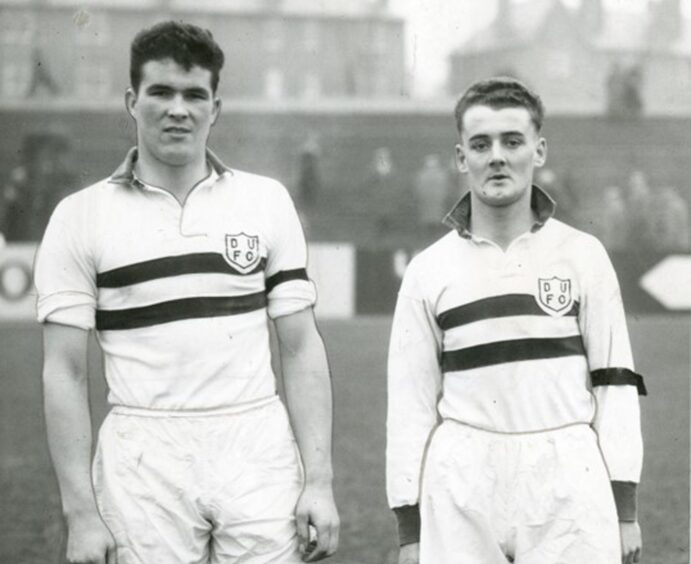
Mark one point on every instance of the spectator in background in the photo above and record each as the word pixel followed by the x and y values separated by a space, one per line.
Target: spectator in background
pixel 432 187
pixel 309 178
pixel 35 187
pixel 624 85
pixel 670 221
pixel 382 190
pixel 566 209
pixel 639 203
pixel 614 219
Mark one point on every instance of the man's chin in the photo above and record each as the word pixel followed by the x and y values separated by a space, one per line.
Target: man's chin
pixel 176 157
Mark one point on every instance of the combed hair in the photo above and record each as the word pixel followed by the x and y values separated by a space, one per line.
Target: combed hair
pixel 184 43
pixel 498 93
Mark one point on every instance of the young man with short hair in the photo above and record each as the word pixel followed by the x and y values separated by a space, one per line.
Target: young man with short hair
pixel 178 262
pixel 513 422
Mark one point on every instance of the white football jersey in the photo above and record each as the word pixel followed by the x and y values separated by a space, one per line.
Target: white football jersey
pixel 179 295
pixel 528 339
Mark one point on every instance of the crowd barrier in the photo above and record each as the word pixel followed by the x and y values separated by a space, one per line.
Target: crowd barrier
pixel 353 281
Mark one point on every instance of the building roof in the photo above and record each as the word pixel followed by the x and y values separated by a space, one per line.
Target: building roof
pixel 620 31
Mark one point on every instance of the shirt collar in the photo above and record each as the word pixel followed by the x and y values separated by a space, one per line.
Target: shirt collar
pixel 125 172
pixel 541 202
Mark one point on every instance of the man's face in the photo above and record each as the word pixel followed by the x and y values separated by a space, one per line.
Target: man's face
pixel 499 150
pixel 174 110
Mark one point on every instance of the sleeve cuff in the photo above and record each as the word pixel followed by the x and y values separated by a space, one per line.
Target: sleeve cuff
pixel 626 500
pixel 408 517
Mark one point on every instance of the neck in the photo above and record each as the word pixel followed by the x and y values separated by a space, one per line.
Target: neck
pixel 178 180
pixel 501 224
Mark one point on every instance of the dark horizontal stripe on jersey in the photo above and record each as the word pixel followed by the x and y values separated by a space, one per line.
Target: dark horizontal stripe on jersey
pixel 618 377
pixel 177 310
pixel 165 267
pixel 510 351
pixel 497 306
pixel 285 276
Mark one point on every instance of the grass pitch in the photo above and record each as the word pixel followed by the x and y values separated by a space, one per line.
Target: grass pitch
pixel 31 529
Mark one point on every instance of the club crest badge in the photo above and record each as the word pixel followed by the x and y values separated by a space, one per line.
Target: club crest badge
pixel 242 251
pixel 554 295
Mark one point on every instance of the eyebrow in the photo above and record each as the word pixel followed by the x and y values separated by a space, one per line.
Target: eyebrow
pixel 192 90
pixel 502 134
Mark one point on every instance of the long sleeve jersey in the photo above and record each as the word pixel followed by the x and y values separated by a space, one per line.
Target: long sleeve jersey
pixel 528 339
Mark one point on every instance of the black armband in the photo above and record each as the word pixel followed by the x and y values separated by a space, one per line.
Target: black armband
pixel 408 517
pixel 626 500
pixel 618 377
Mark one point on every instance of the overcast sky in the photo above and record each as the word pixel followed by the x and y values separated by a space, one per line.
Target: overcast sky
pixel 434 27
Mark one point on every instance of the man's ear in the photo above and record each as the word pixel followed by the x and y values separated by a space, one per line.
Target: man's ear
pixel 216 110
pixel 540 152
pixel 461 161
pixel 131 101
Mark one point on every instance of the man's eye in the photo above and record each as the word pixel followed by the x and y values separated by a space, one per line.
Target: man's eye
pixel 478 146
pixel 513 143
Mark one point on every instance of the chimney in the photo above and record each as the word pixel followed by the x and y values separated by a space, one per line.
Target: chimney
pixel 665 20
pixel 503 19
pixel 591 17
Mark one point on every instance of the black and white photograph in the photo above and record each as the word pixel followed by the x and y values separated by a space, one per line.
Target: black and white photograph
pixel 345 281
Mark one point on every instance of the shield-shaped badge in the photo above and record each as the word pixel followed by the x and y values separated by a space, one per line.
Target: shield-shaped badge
pixel 242 251
pixel 554 295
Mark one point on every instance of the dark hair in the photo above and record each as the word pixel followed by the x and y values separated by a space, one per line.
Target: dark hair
pixel 185 43
pixel 498 93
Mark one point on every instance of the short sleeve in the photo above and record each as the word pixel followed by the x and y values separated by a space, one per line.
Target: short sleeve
pixel 288 287
pixel 63 271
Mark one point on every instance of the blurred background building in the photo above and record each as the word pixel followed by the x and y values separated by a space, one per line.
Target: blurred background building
pixel 348 103
pixel 274 48
pixel 589 58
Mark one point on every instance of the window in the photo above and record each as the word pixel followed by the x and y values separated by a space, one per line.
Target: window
pixel 380 39
pixel 311 86
pixel 17 27
pixel 310 36
pixel 273 84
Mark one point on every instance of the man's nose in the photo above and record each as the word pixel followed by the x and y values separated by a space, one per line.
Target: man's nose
pixel 497 154
pixel 177 108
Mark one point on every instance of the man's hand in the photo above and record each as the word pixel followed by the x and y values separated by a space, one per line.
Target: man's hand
pixel 409 554
pixel 316 510
pixel 89 541
pixel 631 542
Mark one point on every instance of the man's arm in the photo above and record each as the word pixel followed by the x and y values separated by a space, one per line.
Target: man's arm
pixel 68 426
pixel 413 390
pixel 616 388
pixel 308 396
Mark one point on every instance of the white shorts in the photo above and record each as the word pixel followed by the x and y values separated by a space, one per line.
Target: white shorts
pixel 535 498
pixel 199 487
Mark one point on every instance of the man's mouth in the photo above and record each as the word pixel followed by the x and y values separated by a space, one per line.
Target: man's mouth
pixel 176 130
pixel 498 177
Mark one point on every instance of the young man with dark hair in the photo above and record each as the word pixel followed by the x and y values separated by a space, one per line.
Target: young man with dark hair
pixel 178 262
pixel 513 422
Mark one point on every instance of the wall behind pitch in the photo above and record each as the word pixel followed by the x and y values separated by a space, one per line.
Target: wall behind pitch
pixel 331 266
pixel 349 281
